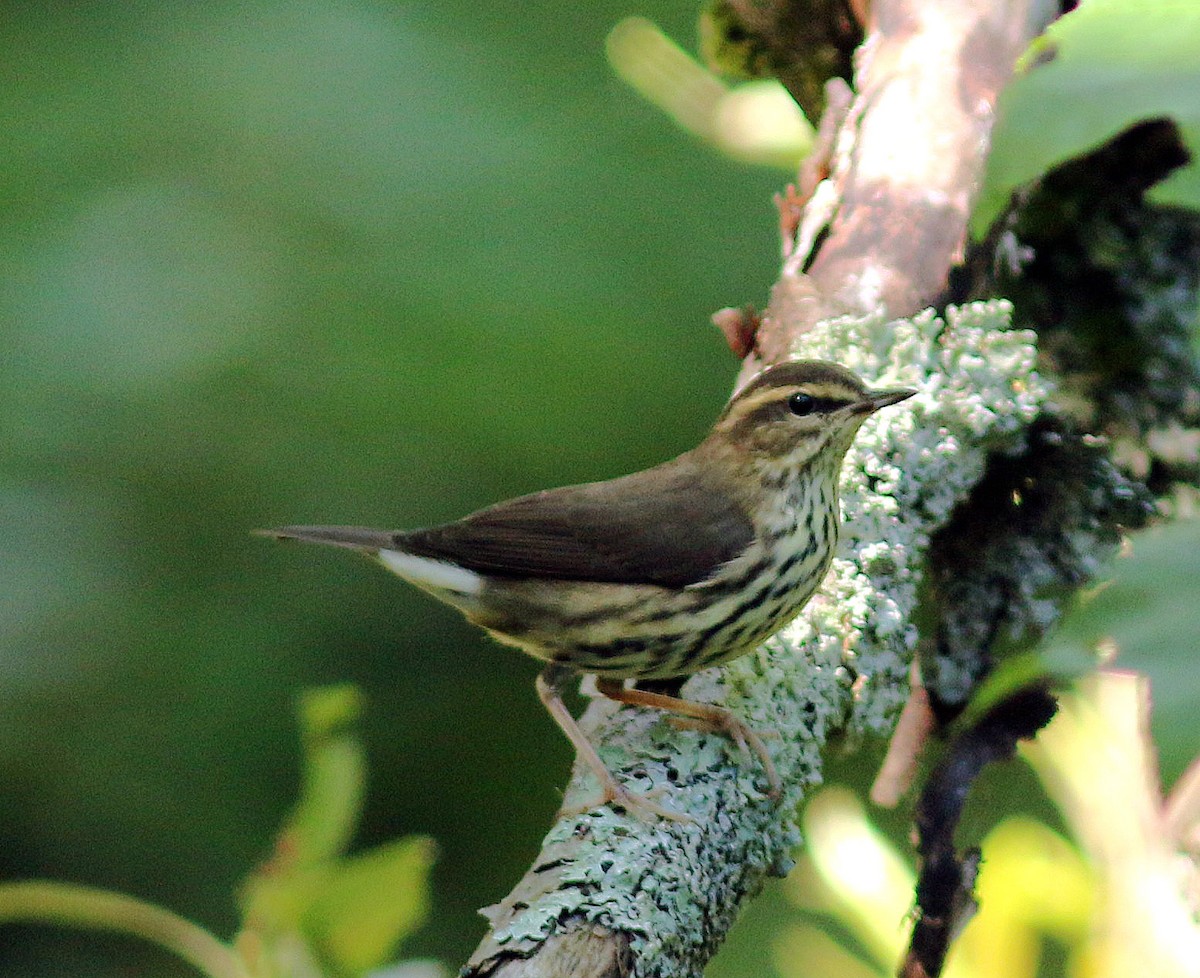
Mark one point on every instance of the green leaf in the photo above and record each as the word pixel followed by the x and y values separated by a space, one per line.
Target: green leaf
pixel 325 817
pixel 371 903
pixel 1149 604
pixel 1100 69
pixel 1141 614
pixel 327 710
pixel 341 915
pixel 319 829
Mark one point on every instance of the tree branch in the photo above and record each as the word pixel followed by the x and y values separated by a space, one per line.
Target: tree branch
pixel 610 895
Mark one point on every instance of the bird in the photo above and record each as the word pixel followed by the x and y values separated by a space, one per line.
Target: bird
pixel 653 576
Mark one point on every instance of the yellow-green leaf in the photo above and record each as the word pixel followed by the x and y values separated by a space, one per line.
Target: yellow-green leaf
pixel 371 903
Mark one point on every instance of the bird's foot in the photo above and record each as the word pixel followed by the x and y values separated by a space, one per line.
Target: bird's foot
pixel 701 716
pixel 721 720
pixel 642 806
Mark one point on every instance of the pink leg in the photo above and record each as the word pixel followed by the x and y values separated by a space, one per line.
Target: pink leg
pixel 642 806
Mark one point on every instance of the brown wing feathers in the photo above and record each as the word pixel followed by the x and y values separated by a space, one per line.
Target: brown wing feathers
pixel 665 526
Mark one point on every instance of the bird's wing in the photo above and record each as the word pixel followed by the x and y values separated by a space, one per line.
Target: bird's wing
pixel 668 526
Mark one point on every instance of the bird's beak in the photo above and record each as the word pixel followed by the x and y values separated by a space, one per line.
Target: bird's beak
pixel 881 399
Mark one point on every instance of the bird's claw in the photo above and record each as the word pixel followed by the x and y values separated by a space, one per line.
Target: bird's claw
pixel 722 721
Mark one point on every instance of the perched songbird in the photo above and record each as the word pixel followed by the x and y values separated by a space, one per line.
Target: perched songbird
pixel 661 573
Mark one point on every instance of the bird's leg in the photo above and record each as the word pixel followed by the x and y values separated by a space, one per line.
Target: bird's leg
pixel 549 688
pixel 706 715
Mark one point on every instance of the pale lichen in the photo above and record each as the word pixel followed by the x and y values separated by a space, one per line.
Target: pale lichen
pixel 674 888
pixel 979 391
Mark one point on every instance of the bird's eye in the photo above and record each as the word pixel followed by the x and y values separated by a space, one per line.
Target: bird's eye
pixel 801 404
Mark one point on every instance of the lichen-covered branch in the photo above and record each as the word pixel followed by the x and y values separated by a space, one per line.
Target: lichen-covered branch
pixel 614 895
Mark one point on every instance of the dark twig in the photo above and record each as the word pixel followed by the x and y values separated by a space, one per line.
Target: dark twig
pixel 945 889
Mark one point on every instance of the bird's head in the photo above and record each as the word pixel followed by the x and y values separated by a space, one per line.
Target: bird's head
pixel 800 412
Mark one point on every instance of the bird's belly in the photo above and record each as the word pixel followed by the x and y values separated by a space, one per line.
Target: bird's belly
pixel 647 632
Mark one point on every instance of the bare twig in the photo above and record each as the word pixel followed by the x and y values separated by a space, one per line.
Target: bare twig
pixel 946 888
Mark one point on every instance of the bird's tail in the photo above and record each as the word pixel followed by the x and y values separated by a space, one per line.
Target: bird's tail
pixel 443 579
pixel 360 538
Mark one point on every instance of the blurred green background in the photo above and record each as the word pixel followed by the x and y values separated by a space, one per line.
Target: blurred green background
pixel 301 261
pixel 288 261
